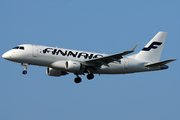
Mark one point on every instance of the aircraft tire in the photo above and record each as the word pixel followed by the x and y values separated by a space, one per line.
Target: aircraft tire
pixel 24 72
pixel 77 80
pixel 90 76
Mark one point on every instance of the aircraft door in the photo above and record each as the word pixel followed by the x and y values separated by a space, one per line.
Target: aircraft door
pixel 126 64
pixel 34 50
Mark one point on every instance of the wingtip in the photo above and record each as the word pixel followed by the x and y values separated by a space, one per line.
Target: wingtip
pixel 135 47
pixel 173 59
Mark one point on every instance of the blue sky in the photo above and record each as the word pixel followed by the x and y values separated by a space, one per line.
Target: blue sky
pixel 97 26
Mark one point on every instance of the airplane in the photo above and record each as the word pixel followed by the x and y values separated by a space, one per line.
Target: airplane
pixel 60 62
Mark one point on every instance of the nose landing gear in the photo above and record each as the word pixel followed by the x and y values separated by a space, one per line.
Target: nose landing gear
pixel 25 68
pixel 24 72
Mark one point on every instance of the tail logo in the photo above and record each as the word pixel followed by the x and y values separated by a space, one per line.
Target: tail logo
pixel 153 45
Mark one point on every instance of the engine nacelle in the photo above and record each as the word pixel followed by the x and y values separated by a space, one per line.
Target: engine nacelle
pixel 54 72
pixel 74 66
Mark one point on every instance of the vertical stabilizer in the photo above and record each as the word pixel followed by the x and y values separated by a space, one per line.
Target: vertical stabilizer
pixel 152 51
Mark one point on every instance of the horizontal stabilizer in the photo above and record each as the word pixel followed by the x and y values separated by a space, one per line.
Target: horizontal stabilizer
pixel 159 63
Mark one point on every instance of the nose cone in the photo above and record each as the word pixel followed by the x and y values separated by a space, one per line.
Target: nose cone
pixel 6 55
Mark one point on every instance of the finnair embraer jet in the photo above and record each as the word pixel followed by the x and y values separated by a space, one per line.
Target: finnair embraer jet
pixel 61 61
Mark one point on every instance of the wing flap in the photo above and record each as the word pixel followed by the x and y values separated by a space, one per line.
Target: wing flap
pixel 159 63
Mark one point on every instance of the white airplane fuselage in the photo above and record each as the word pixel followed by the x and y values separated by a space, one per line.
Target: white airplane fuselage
pixel 60 61
pixel 34 55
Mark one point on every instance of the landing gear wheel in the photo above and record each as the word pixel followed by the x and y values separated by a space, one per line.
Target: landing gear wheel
pixel 24 72
pixel 90 76
pixel 77 80
pixel 25 68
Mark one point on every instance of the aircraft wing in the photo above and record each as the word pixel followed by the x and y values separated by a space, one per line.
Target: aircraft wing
pixel 97 62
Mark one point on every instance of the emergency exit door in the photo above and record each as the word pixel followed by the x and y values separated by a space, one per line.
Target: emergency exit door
pixel 34 50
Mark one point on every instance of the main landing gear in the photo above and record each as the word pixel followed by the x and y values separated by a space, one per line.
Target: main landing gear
pixel 25 68
pixel 78 79
pixel 90 76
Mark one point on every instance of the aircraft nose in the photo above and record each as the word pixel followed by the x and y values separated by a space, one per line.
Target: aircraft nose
pixel 6 55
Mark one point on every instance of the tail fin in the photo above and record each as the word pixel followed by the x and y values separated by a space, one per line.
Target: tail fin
pixel 152 51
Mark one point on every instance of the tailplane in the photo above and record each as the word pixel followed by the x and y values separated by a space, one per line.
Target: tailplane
pixel 152 51
pixel 159 63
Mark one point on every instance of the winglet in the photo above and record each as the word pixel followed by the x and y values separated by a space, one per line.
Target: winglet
pixel 135 47
pixel 127 52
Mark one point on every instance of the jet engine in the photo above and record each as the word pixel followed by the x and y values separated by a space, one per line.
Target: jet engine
pixel 74 66
pixel 54 72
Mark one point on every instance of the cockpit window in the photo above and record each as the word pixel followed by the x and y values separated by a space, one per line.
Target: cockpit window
pixel 15 47
pixel 19 47
pixel 22 48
